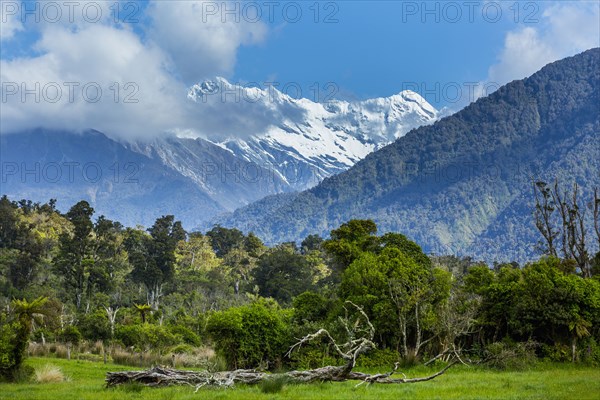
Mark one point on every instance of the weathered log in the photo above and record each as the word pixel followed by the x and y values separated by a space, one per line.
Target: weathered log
pixel 162 376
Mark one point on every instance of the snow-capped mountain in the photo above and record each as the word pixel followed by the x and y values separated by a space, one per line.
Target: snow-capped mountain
pixel 281 145
pixel 308 141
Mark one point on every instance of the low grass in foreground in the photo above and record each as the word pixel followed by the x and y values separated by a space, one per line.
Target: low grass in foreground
pixel 545 381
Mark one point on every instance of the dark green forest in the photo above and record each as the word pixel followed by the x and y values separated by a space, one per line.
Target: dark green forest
pixel 76 284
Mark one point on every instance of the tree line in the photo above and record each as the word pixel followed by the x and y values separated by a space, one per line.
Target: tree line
pixel 73 277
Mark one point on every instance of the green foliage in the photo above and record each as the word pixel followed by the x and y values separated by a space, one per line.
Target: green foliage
pixel 252 335
pixel 310 306
pixel 146 336
pixel 418 307
pixel 15 331
pixel 8 338
pixel 75 256
pixel 349 241
pixel 94 326
pixel 187 335
pixel 153 256
pixel 539 302
pixel 378 358
pixel 224 240
pixel 393 286
pixel 510 356
pixel 70 334
pixel 282 273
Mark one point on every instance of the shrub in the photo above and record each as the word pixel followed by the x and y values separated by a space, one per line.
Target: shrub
pixel 310 306
pixel 181 349
pixel 94 326
pixel 22 374
pixel 145 336
pixel 513 356
pixel 590 352
pixel 557 352
pixel 49 374
pixel 378 358
pixel 252 335
pixel 274 384
pixel 186 334
pixel 70 334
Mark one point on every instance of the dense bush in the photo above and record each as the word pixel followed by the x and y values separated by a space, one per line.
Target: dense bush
pixel 251 336
pixel 94 326
pixel 146 336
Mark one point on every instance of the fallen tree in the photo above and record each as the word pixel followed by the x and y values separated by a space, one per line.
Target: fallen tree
pixel 349 352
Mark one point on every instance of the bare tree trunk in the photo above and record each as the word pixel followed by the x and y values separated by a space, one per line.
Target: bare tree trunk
pixel 112 317
pixel 596 207
pixel 544 209
pixel 418 328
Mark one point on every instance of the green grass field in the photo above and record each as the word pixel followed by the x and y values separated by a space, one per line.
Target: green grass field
pixel 542 382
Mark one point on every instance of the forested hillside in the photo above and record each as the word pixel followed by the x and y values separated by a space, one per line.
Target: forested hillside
pixel 464 184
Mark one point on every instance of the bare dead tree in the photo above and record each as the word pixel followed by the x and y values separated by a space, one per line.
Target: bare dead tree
pixel 576 232
pixel 596 208
pixel 453 324
pixel 572 217
pixel 360 341
pixel 544 210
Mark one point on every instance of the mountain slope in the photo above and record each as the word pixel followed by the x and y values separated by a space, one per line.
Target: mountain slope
pixel 196 179
pixel 309 141
pixel 119 183
pixel 462 185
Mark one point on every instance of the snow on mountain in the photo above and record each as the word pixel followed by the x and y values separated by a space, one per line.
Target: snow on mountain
pixel 308 141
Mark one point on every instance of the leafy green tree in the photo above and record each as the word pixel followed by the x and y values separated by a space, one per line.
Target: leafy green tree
pixel 542 302
pixel 392 283
pixel 224 239
pixel 8 222
pixel 311 243
pixel 311 307
pixel 153 256
pixel 349 241
pixel 253 245
pixel 282 273
pixel 75 257
pixel 111 267
pixel 200 282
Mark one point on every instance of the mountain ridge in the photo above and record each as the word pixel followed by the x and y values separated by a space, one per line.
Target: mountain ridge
pixel 212 176
pixel 447 184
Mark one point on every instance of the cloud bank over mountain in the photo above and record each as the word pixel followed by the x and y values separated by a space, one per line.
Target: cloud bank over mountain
pixel 129 76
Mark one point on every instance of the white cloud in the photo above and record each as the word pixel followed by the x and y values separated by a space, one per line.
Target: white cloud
pixel 140 79
pixel 564 30
pixel 137 96
pixel 9 22
pixel 200 37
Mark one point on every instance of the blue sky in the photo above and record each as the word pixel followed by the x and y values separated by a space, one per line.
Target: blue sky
pixel 440 49
pixel 371 52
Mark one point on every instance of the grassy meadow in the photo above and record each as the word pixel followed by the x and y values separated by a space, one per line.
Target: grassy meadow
pixel 85 380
